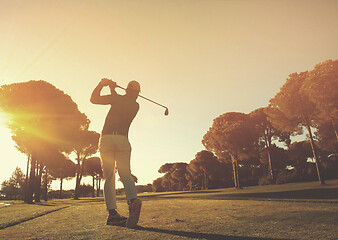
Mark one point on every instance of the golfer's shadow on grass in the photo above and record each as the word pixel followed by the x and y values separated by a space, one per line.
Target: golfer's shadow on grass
pixel 209 236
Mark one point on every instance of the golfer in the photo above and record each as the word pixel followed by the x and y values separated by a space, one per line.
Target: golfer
pixel 115 149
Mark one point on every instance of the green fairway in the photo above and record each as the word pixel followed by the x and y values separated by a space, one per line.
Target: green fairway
pixel 292 191
pixel 212 214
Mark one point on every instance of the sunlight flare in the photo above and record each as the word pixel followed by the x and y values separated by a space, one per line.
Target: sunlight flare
pixel 4 117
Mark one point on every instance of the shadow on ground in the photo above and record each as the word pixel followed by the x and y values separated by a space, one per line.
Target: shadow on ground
pixel 209 236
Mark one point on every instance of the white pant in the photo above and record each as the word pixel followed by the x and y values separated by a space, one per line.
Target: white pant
pixel 116 149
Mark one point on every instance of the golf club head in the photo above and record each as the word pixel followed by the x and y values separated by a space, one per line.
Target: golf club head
pixel 166 112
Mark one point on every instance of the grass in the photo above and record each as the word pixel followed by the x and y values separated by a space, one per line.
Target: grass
pixel 212 214
pixel 304 191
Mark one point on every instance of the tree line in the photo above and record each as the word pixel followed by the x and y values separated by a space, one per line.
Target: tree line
pixel 241 149
pixel 255 148
pixel 47 126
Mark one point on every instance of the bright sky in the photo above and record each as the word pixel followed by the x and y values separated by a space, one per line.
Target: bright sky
pixel 201 58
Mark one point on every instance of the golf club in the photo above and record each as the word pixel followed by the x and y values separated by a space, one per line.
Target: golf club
pixel 166 109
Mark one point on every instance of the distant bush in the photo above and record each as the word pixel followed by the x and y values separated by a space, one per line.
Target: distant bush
pixel 287 176
pixel 14 188
pixel 65 194
pixel 144 188
pixel 265 180
pixel 85 190
pixel 139 189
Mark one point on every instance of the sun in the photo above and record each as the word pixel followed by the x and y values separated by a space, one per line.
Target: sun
pixel 4 118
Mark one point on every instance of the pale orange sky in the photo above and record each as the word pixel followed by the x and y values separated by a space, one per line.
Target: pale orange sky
pixel 200 58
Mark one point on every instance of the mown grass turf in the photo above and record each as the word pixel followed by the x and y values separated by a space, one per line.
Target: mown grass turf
pixel 292 191
pixel 19 212
pixel 183 218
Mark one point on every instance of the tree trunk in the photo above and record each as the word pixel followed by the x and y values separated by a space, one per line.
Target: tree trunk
pixel 205 180
pixel 31 185
pixel 271 175
pixel 77 186
pixel 98 186
pixel 334 128
pixel 78 179
pixel 234 170
pixel 45 186
pixel 60 193
pixel 93 192
pixel 169 181
pixel 37 196
pixel 237 174
pixel 320 179
pixel 26 181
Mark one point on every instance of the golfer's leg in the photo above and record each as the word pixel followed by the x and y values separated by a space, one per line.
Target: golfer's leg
pixel 108 166
pixel 123 168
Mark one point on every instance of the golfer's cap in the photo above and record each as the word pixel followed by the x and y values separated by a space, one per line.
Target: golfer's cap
pixel 134 85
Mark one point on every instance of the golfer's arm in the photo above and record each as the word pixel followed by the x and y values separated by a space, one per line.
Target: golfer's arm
pixel 96 97
pixel 112 90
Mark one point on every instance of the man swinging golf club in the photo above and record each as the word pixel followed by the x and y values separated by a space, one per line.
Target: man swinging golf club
pixel 115 149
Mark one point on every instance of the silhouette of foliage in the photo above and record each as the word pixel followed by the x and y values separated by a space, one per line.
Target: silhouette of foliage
pixel 291 110
pixel 326 136
pixel 15 186
pixel 62 169
pixel 231 134
pixel 298 155
pixel 167 178
pixel 178 172
pixel 93 168
pixel 320 86
pixel 266 135
pixel 42 118
pixel 158 186
pixel 86 145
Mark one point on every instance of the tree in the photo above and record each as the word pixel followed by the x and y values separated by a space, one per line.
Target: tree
pixel 144 188
pixel 207 171
pixel 86 145
pixel 298 153
pixel 203 166
pixel 167 182
pixel 232 134
pixel 40 115
pixel 320 86
pixel 62 169
pixel 48 153
pixel 93 168
pixel 266 135
pixel 178 172
pixel 331 165
pixel 279 157
pixel 221 175
pixel 46 183
pixel 85 190
pixel 291 110
pixel 326 137
pixel 157 185
pixel 14 187
pixel 167 179
pixel 193 179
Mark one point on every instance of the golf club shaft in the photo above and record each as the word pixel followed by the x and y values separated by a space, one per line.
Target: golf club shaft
pixel 145 98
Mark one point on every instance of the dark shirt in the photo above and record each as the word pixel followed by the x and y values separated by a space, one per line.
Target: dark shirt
pixel 122 112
